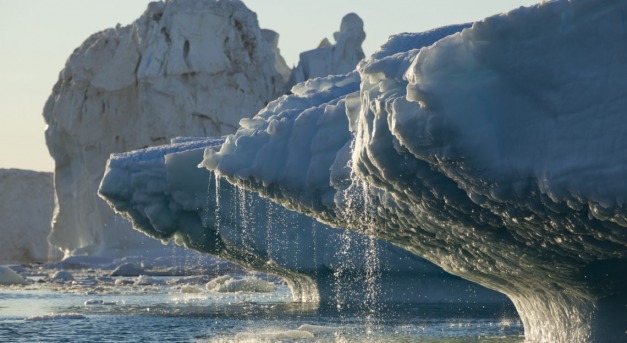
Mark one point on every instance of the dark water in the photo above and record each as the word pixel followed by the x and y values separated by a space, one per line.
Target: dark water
pixel 161 313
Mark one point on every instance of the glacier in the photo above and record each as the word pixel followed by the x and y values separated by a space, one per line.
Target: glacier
pixel 184 67
pixel 26 203
pixel 497 153
pixel 165 195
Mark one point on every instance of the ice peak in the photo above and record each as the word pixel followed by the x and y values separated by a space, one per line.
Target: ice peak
pixel 333 59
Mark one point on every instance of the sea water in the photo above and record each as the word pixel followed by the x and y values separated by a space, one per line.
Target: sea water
pixel 97 308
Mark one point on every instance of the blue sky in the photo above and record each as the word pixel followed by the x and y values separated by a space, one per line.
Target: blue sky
pixel 38 36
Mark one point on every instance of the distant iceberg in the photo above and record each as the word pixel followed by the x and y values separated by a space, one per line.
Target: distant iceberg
pixel 185 67
pixel 498 153
pixel 26 204
pixel 331 59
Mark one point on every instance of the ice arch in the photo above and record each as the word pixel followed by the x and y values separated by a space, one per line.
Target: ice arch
pixel 166 196
pixel 497 153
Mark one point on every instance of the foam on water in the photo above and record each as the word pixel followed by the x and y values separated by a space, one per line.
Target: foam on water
pixel 272 334
pixel 189 289
pixel 314 328
pixel 56 316
pixel 102 309
pixel 99 302
pixel 230 284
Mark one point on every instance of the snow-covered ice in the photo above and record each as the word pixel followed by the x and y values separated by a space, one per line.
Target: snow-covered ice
pixel 185 67
pixel 497 153
pixel 164 193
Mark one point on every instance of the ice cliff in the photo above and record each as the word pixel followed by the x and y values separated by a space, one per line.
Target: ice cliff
pixel 279 62
pixel 498 153
pixel 163 192
pixel 332 59
pixel 185 67
pixel 26 203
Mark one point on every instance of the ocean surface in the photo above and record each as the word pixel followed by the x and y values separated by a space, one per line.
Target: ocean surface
pixel 97 308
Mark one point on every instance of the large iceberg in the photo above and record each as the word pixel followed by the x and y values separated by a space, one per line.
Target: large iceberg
pixel 498 153
pixel 166 196
pixel 185 67
pixel 26 203
pixel 163 192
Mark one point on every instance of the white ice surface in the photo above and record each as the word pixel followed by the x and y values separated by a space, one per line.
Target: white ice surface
pixel 331 59
pixel 185 67
pixel 10 277
pixel 164 193
pixel 230 284
pixel 497 153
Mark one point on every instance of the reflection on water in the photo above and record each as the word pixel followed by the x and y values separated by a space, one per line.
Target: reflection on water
pixel 164 311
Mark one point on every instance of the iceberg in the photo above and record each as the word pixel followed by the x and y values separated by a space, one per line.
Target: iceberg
pixel 8 277
pixel 185 67
pixel 26 203
pixel 331 59
pixel 165 195
pixel 497 153
pixel 272 38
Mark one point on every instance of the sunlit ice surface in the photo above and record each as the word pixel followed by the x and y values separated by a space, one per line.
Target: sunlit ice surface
pixel 497 153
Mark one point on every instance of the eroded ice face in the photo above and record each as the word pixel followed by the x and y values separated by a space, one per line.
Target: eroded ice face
pixel 166 196
pixel 497 152
pixel 184 67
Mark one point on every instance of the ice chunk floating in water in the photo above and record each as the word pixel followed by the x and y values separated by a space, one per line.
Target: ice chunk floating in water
pixel 498 153
pixel 10 277
pixel 229 284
